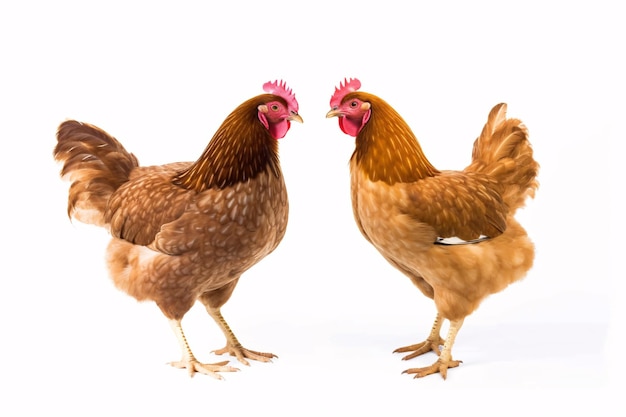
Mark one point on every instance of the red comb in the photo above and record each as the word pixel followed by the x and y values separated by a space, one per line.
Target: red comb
pixel 345 87
pixel 281 89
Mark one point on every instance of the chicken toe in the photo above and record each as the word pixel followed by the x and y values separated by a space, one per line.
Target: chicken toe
pixel 211 369
pixel 432 343
pixel 242 354
pixel 190 362
pixel 445 361
pixel 418 349
pixel 440 366
pixel 233 347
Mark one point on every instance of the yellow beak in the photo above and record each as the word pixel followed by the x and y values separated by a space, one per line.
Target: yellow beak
pixel 333 113
pixel 296 118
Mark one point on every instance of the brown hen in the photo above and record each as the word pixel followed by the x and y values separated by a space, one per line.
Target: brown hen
pixel 451 232
pixel 187 231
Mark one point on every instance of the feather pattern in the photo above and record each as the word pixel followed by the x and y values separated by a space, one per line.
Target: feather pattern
pixel 93 178
pixel 225 162
pixel 503 152
pixel 383 140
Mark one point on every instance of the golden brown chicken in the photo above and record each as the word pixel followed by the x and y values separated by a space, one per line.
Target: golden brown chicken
pixel 187 231
pixel 451 232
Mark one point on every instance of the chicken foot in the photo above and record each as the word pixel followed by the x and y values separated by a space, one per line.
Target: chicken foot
pixel 444 362
pixel 189 361
pixel 432 343
pixel 233 347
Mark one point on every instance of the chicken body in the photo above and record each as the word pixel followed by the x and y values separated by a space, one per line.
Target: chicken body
pixel 187 231
pixel 408 209
pixel 204 251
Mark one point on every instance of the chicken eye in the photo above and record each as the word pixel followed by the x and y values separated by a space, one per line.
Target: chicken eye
pixel 275 107
pixel 354 104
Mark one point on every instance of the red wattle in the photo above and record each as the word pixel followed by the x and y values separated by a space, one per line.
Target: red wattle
pixel 349 126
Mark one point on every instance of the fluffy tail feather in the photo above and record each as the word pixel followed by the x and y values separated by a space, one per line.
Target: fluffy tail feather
pixel 96 164
pixel 503 151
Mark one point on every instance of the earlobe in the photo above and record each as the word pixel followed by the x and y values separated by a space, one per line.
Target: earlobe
pixel 366 105
pixel 366 117
pixel 262 108
pixel 262 117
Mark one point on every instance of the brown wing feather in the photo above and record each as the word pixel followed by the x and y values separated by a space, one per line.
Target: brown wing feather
pixel 465 205
pixel 139 208
pixel 229 223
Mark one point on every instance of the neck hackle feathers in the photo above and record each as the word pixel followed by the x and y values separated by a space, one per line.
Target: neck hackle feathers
pixel 239 149
pixel 386 148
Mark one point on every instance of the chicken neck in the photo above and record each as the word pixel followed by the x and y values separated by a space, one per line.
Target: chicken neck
pixel 387 150
pixel 240 150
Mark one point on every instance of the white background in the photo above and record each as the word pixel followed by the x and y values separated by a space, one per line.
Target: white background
pixel 162 76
